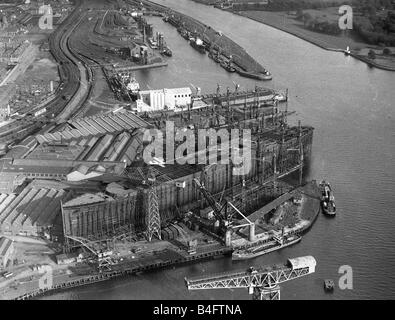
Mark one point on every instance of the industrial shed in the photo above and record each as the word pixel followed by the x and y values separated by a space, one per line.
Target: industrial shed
pixel 97 215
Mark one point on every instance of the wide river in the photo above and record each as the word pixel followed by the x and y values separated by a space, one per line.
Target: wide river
pixel 352 109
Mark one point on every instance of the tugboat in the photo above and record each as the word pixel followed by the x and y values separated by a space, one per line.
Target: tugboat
pixel 275 243
pixel 166 52
pixel 347 51
pixel 327 199
pixel 329 285
pixel 266 75
pixel 198 45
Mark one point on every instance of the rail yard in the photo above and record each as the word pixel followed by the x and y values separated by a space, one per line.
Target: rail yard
pixel 78 193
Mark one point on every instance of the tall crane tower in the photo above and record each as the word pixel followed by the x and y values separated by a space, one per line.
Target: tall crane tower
pixel 262 283
pixel 153 217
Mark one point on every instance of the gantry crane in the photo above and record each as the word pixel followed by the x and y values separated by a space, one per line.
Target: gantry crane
pixel 263 283
pixel 153 216
pixel 153 220
pixel 221 213
pixel 217 208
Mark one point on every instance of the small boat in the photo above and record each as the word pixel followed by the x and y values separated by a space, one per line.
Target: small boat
pixel 329 285
pixel 280 97
pixel 216 58
pixel 326 190
pixel 166 52
pixel 152 43
pixel 327 199
pixel 266 75
pixel 276 243
pixel 185 34
pixel 329 207
pixel 227 66
pixel 347 51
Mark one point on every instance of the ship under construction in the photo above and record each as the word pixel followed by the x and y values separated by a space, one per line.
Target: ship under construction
pixel 161 192
pixel 112 194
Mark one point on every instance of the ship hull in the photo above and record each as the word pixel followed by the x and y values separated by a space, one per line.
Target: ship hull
pixel 246 256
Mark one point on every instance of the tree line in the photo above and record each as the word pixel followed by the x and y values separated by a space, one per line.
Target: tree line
pixel 286 5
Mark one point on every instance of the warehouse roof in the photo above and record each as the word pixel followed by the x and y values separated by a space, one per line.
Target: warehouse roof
pixel 106 123
pixel 5 245
pixel 87 198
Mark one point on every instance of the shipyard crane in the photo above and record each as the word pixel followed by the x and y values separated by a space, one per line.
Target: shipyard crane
pixel 217 208
pixel 153 215
pixel 263 283
pixel 221 213
pixel 102 255
pixel 225 219
pixel 153 220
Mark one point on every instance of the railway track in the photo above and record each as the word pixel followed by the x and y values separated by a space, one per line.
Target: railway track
pixel 72 71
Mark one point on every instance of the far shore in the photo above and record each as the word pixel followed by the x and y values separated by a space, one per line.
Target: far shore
pixel 284 22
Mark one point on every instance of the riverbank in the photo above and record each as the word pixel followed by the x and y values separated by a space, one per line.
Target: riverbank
pixel 167 259
pixel 287 23
pixel 245 65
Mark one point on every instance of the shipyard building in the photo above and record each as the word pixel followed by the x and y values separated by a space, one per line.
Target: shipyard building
pixel 164 99
pixel 87 179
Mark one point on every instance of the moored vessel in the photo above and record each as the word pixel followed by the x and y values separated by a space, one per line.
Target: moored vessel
pixel 227 66
pixel 166 52
pixel 327 199
pixel 132 86
pixel 197 44
pixel 273 244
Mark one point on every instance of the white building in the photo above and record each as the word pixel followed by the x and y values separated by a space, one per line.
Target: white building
pixel 175 99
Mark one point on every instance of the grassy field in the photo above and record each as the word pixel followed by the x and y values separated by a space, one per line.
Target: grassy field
pixel 289 23
pixel 328 14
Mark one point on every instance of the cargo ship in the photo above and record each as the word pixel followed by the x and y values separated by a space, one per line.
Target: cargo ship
pixel 274 244
pixel 133 88
pixel 124 85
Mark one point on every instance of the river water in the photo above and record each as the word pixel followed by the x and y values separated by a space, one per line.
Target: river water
pixel 351 107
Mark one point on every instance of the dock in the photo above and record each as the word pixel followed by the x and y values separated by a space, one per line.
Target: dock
pixel 131 268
